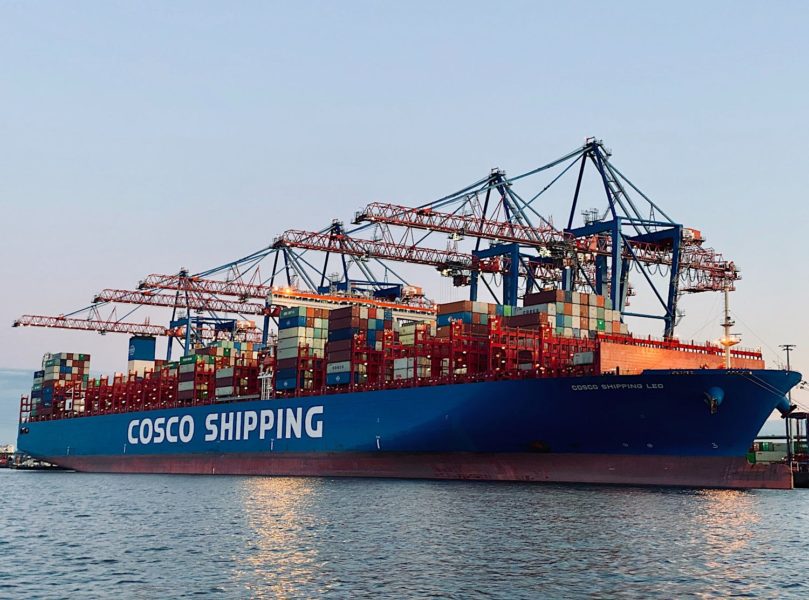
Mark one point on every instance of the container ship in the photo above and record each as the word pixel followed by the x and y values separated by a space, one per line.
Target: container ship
pixel 362 378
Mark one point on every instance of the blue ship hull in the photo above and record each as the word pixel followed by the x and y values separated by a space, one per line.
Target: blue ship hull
pixel 654 428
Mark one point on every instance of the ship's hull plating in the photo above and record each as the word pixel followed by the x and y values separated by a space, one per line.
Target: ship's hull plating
pixel 654 429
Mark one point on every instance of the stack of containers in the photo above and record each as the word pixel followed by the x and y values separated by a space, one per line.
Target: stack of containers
pixel 141 355
pixel 302 334
pixel 410 367
pixel 474 316
pixel 196 378
pixel 354 332
pixel 61 371
pixel 572 314
pixel 227 353
pixel 409 331
pixel 237 381
pixel 36 392
pixel 234 362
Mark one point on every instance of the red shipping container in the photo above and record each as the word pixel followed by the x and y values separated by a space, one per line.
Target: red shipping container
pixel 453 307
pixel 339 355
pixel 544 297
pixel 343 323
pixel 287 363
pixel 339 345
pixel 344 312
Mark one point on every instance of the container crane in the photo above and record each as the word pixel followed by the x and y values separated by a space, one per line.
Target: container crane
pixel 98 325
pixel 194 301
pixel 276 296
pixel 104 327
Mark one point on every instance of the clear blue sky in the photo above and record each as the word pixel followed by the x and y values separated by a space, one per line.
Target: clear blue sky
pixel 141 137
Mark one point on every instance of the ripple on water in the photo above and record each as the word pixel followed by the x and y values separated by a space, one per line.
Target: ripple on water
pixel 235 537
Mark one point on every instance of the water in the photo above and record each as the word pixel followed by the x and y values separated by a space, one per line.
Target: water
pixel 71 535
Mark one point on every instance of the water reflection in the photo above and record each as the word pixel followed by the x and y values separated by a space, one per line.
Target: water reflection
pixel 233 537
pixel 282 559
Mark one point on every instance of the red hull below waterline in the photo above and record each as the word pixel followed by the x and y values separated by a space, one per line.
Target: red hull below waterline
pixel 686 471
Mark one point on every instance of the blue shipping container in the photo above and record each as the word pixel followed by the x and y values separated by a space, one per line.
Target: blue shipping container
pixel 142 348
pixel 290 373
pixel 340 378
pixel 342 334
pixel 291 322
pixel 295 311
pixel 464 317
pixel 286 384
pixel 560 320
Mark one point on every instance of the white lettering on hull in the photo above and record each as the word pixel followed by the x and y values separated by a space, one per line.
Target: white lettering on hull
pixel 285 423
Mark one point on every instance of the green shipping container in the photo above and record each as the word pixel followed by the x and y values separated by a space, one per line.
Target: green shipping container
pixel 602 325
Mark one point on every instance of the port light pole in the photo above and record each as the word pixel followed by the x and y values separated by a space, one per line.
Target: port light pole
pixel 788 348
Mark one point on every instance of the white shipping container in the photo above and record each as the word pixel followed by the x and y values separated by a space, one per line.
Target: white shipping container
pixel 224 391
pixel 284 353
pixel 185 386
pixel 339 367
pixel 480 307
pixel 289 343
pixel 592 312
pixel 403 363
pixel 292 332
pixel 140 366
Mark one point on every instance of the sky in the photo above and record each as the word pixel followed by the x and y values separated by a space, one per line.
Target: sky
pixel 139 138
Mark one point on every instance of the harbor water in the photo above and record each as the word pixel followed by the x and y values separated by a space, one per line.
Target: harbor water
pixel 74 535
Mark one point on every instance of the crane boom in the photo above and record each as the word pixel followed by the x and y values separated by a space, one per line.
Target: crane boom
pixel 344 244
pixel 194 301
pixel 701 269
pixel 275 296
pixel 103 327
pixel 467 225
pixel 100 326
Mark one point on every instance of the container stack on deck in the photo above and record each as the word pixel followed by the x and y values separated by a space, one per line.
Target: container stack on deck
pixel 556 333
pixel 196 378
pixel 571 314
pixel 63 377
pixel 357 337
pixel 302 337
pixel 236 365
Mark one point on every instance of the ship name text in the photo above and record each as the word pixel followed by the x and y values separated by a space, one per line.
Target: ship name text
pixel 279 423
